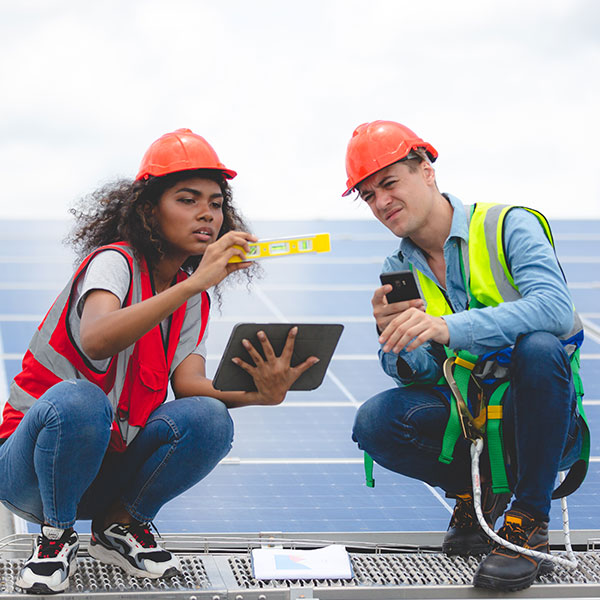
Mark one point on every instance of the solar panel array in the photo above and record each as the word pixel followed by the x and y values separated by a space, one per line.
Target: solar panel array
pixel 294 467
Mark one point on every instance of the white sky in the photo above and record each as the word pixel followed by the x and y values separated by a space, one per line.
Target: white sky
pixel 507 91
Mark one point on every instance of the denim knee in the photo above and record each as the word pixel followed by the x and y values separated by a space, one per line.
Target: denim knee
pixel 81 406
pixel 202 421
pixel 540 353
pixel 368 424
pixel 216 413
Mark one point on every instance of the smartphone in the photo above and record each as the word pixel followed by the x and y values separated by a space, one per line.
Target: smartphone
pixel 403 284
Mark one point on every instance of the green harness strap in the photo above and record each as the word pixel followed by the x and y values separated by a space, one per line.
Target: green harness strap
pixel 495 441
pixel 462 376
pixel 368 462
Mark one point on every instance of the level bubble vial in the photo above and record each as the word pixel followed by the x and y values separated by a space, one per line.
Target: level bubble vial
pixel 275 247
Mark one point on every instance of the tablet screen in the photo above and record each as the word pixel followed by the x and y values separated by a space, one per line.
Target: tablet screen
pixel 313 339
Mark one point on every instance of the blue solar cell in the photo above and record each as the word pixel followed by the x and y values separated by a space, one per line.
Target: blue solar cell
pixel 581 272
pixel 55 274
pixel 590 373
pixel 45 249
pixel 586 300
pixel 17 334
pixel 566 247
pixel 26 301
pixel 294 431
pixel 591 345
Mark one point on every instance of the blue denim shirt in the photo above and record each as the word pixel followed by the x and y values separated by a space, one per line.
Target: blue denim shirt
pixel 545 305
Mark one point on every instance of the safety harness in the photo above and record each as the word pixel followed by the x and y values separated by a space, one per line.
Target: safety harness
pixel 472 415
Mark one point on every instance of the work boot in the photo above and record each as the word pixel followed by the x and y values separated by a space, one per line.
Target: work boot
pixel 503 569
pixel 465 536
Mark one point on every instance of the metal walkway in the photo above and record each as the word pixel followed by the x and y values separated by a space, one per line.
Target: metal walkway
pixel 219 568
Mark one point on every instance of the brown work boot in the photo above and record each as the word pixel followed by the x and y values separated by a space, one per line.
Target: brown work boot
pixel 503 569
pixel 464 535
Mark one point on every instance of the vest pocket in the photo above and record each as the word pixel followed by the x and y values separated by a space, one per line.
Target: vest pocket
pixel 145 391
pixel 153 380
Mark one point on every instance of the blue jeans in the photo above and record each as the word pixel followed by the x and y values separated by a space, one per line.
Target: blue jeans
pixel 402 428
pixel 55 469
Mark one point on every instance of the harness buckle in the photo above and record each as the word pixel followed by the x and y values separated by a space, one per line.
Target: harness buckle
pixel 472 427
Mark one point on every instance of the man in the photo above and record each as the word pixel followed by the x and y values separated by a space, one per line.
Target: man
pixel 500 262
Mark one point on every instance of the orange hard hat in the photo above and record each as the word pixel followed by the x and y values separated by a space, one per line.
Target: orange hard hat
pixel 377 145
pixel 180 150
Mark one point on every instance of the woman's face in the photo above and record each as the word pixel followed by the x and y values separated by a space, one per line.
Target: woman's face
pixel 190 216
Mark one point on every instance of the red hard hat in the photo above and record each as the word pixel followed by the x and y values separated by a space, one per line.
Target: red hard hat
pixel 180 150
pixel 377 145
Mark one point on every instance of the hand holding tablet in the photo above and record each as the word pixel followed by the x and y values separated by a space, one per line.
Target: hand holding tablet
pixel 316 339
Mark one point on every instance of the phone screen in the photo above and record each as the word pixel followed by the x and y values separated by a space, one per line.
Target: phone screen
pixel 403 284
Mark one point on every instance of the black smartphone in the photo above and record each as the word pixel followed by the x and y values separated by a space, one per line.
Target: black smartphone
pixel 403 284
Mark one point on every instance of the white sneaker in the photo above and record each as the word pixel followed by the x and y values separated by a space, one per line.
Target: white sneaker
pixel 133 548
pixel 54 559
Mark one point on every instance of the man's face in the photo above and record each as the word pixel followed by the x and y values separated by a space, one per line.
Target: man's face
pixel 399 198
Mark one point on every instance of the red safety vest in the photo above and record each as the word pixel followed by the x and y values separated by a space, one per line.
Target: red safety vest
pixel 136 379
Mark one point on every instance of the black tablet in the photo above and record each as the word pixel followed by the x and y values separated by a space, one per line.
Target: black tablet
pixel 313 339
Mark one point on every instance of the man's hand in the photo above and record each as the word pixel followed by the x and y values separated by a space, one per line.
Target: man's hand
pixel 384 312
pixel 273 375
pixel 400 322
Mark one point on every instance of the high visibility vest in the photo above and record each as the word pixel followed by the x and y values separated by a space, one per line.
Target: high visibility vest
pixel 135 380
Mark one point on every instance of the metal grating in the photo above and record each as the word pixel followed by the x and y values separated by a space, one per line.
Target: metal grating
pixel 382 576
pixel 371 570
pixel 94 577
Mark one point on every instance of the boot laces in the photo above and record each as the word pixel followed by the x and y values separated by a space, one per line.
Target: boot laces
pixel 463 516
pixel 513 532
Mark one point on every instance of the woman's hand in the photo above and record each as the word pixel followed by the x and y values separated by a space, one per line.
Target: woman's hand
pixel 215 265
pixel 273 375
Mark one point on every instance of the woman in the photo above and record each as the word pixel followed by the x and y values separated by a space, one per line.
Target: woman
pixel 85 433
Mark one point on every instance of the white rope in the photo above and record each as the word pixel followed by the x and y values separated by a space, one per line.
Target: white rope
pixel 570 562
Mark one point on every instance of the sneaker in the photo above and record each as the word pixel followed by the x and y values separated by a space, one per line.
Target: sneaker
pixel 53 560
pixel 133 548
pixel 503 569
pixel 465 536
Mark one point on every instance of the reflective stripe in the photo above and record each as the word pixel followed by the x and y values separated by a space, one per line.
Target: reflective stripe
pixel 488 282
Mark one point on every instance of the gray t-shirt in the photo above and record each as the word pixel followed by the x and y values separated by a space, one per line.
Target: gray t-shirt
pixel 109 271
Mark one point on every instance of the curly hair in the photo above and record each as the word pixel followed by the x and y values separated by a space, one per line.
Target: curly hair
pixel 122 211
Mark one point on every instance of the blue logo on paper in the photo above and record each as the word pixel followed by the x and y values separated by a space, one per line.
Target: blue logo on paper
pixel 285 561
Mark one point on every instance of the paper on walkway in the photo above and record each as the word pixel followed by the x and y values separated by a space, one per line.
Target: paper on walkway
pixel 330 562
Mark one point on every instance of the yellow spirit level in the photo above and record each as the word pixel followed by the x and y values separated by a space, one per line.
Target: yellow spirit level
pixel 318 242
